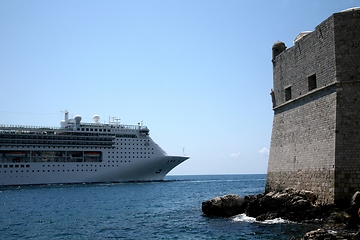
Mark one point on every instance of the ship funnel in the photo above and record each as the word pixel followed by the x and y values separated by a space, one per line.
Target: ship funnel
pixel 66 116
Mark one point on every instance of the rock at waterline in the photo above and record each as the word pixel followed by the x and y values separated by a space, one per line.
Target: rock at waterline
pixel 355 200
pixel 293 205
pixel 318 234
pixel 224 206
pixel 288 204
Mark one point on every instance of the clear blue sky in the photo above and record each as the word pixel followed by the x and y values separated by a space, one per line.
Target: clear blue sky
pixel 197 73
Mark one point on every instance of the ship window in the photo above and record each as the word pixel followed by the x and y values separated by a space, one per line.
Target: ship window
pixel 312 82
pixel 287 93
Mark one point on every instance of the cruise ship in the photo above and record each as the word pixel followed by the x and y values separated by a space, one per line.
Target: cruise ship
pixel 78 152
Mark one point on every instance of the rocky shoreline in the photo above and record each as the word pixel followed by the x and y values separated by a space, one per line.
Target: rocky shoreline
pixel 335 222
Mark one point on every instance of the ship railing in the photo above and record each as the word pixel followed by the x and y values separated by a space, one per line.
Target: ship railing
pixel 113 125
pixel 24 127
pixel 69 128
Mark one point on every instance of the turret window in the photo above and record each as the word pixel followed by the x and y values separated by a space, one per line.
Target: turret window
pixel 287 93
pixel 312 82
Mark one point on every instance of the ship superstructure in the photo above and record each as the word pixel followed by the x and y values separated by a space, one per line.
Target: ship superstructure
pixel 78 152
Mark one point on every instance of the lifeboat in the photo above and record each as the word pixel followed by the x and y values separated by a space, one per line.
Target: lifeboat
pixel 15 154
pixel 92 154
pixel 76 154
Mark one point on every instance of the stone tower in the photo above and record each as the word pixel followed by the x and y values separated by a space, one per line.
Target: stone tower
pixel 315 142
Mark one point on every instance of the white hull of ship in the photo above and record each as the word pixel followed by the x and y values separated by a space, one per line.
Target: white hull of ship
pixel 89 172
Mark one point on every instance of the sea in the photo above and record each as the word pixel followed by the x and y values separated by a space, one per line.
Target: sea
pixel 169 209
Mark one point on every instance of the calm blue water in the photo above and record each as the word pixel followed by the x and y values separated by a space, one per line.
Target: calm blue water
pixel 158 210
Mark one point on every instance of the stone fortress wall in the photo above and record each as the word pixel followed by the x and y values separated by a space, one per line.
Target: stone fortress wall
pixel 315 142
